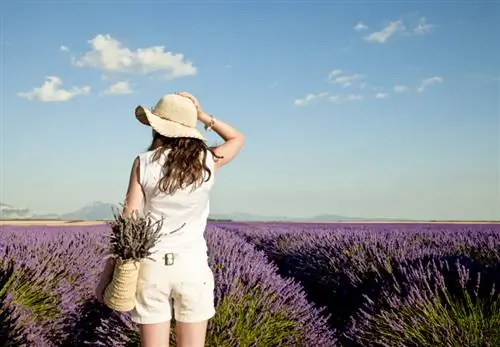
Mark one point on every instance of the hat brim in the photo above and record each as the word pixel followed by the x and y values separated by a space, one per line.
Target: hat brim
pixel 164 126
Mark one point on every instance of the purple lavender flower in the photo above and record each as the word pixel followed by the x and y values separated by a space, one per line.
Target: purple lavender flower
pixel 342 266
pixel 434 302
pixel 382 285
pixel 255 305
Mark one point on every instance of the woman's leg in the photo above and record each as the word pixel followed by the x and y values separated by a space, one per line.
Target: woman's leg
pixel 191 334
pixel 155 335
pixel 153 309
pixel 193 296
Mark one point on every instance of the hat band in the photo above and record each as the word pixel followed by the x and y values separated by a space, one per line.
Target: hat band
pixel 166 117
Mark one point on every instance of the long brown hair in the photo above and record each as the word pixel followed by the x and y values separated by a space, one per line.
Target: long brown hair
pixel 185 164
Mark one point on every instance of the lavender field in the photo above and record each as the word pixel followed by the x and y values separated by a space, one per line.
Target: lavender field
pixel 276 285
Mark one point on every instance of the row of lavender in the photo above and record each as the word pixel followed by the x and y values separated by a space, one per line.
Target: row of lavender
pixel 47 277
pixel 381 285
pixel 393 285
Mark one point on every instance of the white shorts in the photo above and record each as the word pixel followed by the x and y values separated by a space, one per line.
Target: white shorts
pixel 188 282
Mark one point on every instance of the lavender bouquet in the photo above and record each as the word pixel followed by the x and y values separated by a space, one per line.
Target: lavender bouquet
pixel 132 238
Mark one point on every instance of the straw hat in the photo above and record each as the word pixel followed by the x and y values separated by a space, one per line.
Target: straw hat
pixel 172 116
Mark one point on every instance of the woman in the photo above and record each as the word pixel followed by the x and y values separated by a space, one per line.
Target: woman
pixel 173 179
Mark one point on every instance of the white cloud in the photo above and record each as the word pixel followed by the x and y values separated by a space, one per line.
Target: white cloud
pixel 360 26
pixel 273 85
pixel 333 98
pixel 334 73
pixel 348 80
pixel 118 88
pixel 389 30
pixel 345 80
pixel 423 27
pixel 110 55
pixel 429 81
pixel 64 49
pixel 51 91
pixel 381 95
pixel 345 98
pixel 400 88
pixel 305 101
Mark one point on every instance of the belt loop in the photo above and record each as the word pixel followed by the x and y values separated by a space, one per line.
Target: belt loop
pixel 169 259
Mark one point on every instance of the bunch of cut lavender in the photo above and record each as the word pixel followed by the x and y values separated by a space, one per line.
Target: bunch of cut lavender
pixel 133 237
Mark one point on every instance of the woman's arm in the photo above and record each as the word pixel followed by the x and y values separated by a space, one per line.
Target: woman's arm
pixel 233 139
pixel 135 195
pixel 104 279
pixel 133 202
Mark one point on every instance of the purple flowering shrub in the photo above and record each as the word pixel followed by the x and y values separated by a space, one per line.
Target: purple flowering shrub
pixel 11 333
pixel 381 285
pixel 255 306
pixel 29 296
pixel 344 268
pixel 50 277
pixel 434 302
pixel 251 296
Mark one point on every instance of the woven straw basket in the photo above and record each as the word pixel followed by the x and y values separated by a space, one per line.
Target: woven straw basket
pixel 120 292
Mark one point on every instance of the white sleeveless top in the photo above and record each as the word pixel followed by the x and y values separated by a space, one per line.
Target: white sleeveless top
pixel 184 213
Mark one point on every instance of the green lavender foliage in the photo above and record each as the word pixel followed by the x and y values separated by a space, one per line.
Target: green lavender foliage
pixel 241 320
pixel 432 313
pixel 30 292
pixel 438 322
pixel 10 330
pixel 133 237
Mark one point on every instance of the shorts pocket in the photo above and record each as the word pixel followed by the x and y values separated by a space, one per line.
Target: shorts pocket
pixel 153 288
pixel 195 293
pixel 152 295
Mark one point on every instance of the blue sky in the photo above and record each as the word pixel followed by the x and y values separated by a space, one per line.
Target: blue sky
pixel 373 110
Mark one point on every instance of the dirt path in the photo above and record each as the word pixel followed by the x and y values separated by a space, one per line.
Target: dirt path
pixel 49 222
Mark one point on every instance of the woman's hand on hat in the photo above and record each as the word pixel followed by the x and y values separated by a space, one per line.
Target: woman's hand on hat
pixel 193 99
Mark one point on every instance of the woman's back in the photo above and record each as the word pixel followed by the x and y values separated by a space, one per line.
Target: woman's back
pixel 184 212
pixel 172 182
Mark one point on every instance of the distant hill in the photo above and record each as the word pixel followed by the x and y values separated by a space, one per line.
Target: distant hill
pixel 95 211
pixel 12 212
pixel 245 217
pixel 99 210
